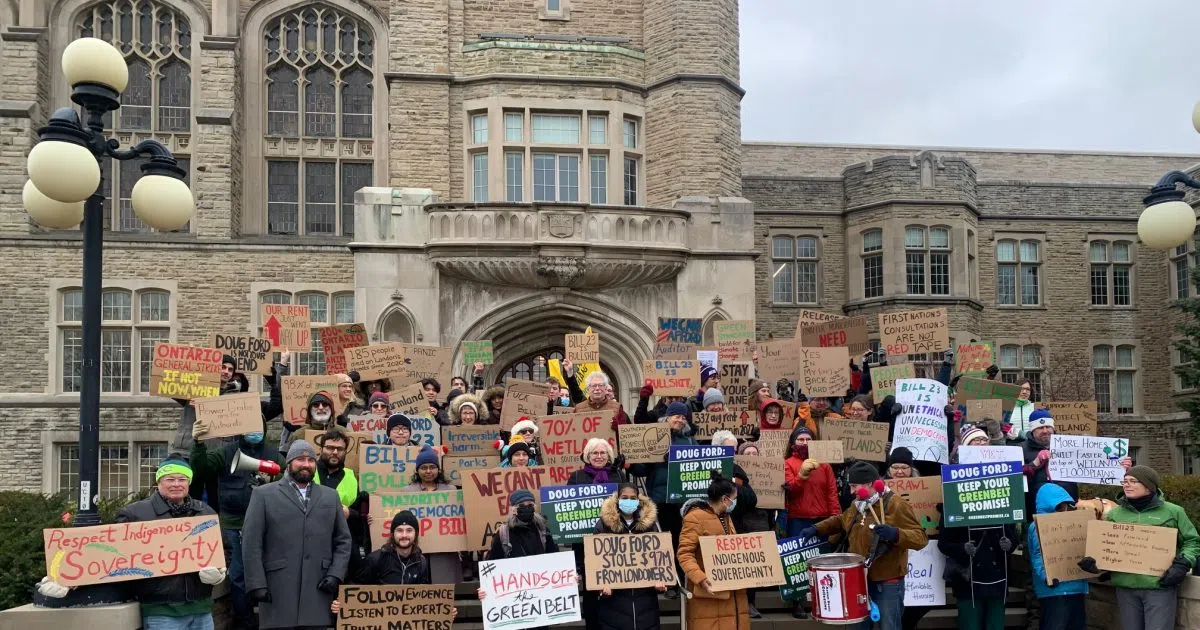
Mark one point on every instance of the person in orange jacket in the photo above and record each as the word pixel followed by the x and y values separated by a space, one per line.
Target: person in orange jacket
pixel 813 412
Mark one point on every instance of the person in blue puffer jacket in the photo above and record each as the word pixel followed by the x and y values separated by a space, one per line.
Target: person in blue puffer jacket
pixel 1063 603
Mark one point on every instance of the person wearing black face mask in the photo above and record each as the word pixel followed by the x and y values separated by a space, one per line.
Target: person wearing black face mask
pixel 524 533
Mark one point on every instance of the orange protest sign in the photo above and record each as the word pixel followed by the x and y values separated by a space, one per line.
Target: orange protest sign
pixel 287 326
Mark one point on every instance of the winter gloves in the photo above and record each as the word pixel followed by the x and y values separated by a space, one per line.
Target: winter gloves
pixel 329 585
pixel 1088 564
pixel 887 533
pixel 199 428
pixel 212 575
pixel 50 588
pixel 970 548
pixel 808 532
pixel 646 391
pixel 259 596
pixel 1175 574
pixel 808 466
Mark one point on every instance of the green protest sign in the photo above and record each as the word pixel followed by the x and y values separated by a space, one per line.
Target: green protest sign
pixel 572 511
pixel 477 352
pixel 983 494
pixel 795 554
pixel 688 470
pixel 970 388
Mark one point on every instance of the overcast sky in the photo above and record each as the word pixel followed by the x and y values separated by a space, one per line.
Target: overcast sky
pixel 1065 74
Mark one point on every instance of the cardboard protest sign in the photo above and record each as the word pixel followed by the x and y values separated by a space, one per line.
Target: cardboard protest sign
pixel 253 354
pixel 119 552
pixel 485 496
pixel 735 384
pixel 973 359
pixel 672 377
pixel 354 441
pixel 402 607
pixel 523 398
pixel 454 467
pixel 779 358
pixel 572 511
pixel 296 391
pixel 921 427
pixel 369 423
pixel 740 422
pixel 688 470
pixel 644 443
pixel 1063 538
pixel 376 361
pixel 970 388
pixel 335 340
pixel 847 332
pixel 1129 548
pixel 982 494
pixel 582 348
pixel 426 431
pixel 740 561
pixel 766 477
pixel 386 468
pixel 470 439
pixel 287 326
pixel 795 553
pixel 477 352
pixel 735 340
pixel 861 439
pixel 807 317
pixel 185 372
pixel 884 377
pixel 440 514
pixel 408 400
pixel 672 351
pixel 564 436
pixel 914 332
pixel 925 585
pixel 680 330
pixel 979 410
pixel 827 451
pixel 1086 459
pixel 825 371
pixel 923 495
pixel 776 442
pixel 628 560
pixel 428 362
pixel 230 415
pixel 1074 418
pixel 529 592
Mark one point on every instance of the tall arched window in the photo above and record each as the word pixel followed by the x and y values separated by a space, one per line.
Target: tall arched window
pixel 318 119
pixel 157 43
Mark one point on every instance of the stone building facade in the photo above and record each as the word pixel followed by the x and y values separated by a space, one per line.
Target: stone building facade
pixel 517 169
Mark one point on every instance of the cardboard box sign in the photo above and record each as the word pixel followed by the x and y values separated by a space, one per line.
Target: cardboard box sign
pixel 767 477
pixel 827 451
pixel 185 372
pixel 1128 548
pixel 847 332
pixel 230 415
pixel 735 385
pixel 735 340
pixel 1063 538
pixel 485 496
pixel 969 388
pixel 582 348
pixel 923 494
pixel 440 514
pixel 741 423
pixel 808 317
pixel 628 560
pixel 376 361
pixel 455 467
pixel 287 326
pixel 672 378
pixel 979 410
pixel 563 437
pixel 354 441
pixel 680 330
pixel 826 371
pixel 778 359
pixel 671 351
pixel 428 362
pixel 644 443
pixel 861 439
pixel 884 377
pixel 386 468
pixel 1074 418
pixel 523 398
pixel 296 391
pixel 119 552
pixel 741 561
pixel 396 606
pixel 254 355
pixel 335 340
pixel 408 400
pixel 774 442
pixel 973 359
pixel 914 332
pixel 471 439
pixel 477 352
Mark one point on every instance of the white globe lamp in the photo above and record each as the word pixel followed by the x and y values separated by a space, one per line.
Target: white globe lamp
pixel 48 212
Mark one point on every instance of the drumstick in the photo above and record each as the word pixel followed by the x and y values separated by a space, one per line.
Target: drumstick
pixel 679 585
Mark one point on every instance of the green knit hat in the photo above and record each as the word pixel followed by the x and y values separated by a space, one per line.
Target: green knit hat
pixel 173 466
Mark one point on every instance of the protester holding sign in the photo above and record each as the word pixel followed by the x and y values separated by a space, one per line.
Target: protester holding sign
pixel 599 465
pixel 600 398
pixel 627 512
pixel 351 403
pixel 809 484
pixel 644 414
pixel 493 405
pixel 399 430
pixel 1036 450
pixel 446 568
pixel 1063 603
pixel 814 412
pixel 656 475
pixel 524 533
pixel 725 610
pixel 746 515
pixel 1148 602
pixel 980 581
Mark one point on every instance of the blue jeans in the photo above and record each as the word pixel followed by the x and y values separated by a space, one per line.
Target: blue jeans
pixel 242 615
pixel 1065 612
pixel 190 622
pixel 889 597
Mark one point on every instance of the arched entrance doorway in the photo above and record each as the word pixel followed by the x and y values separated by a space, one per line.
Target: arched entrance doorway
pixel 534 368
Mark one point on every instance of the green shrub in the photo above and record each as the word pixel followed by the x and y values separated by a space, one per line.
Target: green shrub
pixel 1181 490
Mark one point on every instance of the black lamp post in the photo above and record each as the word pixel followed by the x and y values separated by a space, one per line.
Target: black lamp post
pixel 66 186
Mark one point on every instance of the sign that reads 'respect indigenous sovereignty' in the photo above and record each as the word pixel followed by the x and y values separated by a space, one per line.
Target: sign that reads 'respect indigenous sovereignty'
pixel 672 377
pixel 396 607
pixel 735 340
pixel 861 439
pixel 1086 459
pixel 231 414
pixel 287 326
pixel 921 427
pixel 628 560
pixel 679 330
pixel 847 332
pixel 826 371
pixel 740 561
pixel 440 515
pixel 253 354
pixel 644 443
pixel 118 552
pixel 386 468
pixel 477 352
pixel 572 511
pixel 688 470
pixel 485 496
pixel 982 494
pixel 376 361
pixel 1073 418
pixel 529 592
pixel 884 377
pixel 185 371
pixel 335 340
pixel 1129 548
pixel 914 332
pixel 795 554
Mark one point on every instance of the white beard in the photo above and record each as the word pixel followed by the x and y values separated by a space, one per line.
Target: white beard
pixel 321 418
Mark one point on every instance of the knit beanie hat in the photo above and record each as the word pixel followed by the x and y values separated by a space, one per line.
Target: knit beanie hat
pixel 427 456
pixel 300 448
pixel 343 378
pixel 678 409
pixel 745 446
pixel 1147 475
pixel 862 473
pixel 179 466
pixel 520 496
pixel 756 384
pixel 1040 418
pixel 454 393
pixel 901 455
pixel 706 373
pixel 398 420
pixel 516 447
pixel 523 424
pixel 972 433
pixel 379 397
pixel 228 358
pixel 713 396
pixel 595 444
pixel 320 397
pixel 404 517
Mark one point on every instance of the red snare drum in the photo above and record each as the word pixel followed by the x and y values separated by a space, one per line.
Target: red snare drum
pixel 838 586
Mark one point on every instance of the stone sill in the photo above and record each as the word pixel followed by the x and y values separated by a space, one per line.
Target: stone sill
pixel 924 301
pixel 796 306
pixel 1009 307
pixel 1114 309
pixel 609 49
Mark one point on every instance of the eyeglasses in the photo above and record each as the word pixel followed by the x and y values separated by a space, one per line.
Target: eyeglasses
pixel 321 404
pixel 378 406
pixel 334 449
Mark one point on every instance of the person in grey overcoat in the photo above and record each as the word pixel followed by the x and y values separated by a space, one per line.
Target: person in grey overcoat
pixel 296 546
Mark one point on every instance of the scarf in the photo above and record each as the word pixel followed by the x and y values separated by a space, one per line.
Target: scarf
pixel 599 475
pixel 1140 504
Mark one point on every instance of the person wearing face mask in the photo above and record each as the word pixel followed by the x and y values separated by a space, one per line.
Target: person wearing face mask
pixel 810 492
pixel 626 512
pixel 445 567
pixel 234 488
pixel 1063 605
pixel 557 396
pixel 712 516
pixel 524 533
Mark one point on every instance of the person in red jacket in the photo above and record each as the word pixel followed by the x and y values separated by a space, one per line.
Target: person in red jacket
pixel 810 486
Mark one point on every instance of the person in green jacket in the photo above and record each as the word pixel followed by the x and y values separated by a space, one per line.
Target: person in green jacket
pixel 1148 602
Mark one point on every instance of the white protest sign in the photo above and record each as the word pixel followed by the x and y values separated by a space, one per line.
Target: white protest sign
pixel 924 584
pixel 1086 459
pixel 989 454
pixel 921 428
pixel 426 431
pixel 530 591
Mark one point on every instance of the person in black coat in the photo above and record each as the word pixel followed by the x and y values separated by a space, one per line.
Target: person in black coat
pixel 980 581
pixel 628 608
